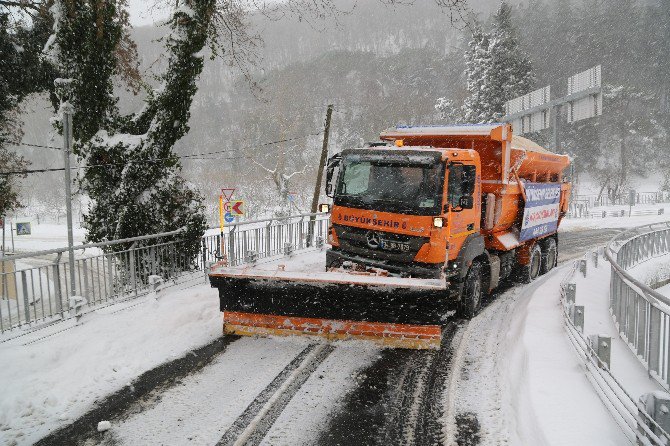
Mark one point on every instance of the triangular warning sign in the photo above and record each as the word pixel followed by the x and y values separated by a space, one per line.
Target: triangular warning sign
pixel 228 193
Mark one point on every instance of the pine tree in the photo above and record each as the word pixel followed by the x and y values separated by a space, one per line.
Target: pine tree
pixel 476 108
pixel 510 74
pixel 497 69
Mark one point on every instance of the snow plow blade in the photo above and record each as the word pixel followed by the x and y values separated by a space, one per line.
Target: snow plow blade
pixel 420 337
pixel 390 311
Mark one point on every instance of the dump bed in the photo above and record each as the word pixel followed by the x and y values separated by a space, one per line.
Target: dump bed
pixel 502 154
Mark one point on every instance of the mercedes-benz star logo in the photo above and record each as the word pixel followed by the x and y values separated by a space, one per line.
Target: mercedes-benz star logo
pixel 373 239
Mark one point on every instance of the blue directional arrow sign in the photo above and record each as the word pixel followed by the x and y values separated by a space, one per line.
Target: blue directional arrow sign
pixel 229 218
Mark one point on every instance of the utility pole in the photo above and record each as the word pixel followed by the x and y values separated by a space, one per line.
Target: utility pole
pixel 319 175
pixel 2 262
pixel 68 111
pixel 555 124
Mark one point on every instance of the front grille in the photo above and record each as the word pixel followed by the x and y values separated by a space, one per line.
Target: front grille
pixel 354 241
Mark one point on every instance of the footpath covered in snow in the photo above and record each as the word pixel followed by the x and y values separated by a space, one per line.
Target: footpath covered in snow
pixel 52 376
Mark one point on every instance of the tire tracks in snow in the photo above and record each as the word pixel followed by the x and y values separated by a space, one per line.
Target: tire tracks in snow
pixel 254 423
pixel 397 400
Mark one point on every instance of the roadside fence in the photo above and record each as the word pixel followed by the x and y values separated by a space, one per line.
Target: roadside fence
pixel 258 239
pixel 644 420
pixel 641 314
pixel 590 206
pixel 35 289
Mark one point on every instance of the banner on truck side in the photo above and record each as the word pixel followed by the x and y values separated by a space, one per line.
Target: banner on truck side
pixel 540 215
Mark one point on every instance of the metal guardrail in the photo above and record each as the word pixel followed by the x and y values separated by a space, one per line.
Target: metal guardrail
pixel 631 414
pixel 258 239
pixel 642 315
pixel 580 213
pixel 624 198
pixel 35 288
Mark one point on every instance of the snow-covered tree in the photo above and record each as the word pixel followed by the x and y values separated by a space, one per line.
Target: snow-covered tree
pixel 628 138
pixel 133 178
pixel 497 69
pixel 477 107
pixel 281 179
pixel 21 73
pixel 448 111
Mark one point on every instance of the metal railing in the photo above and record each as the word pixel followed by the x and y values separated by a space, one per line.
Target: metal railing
pixel 623 198
pixel 641 314
pixel 35 288
pixel 632 415
pixel 578 212
pixel 253 240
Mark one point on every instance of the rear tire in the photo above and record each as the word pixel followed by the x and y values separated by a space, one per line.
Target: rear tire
pixel 549 255
pixel 529 272
pixel 471 299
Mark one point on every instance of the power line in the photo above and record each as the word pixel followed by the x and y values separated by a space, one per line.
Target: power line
pixel 201 155
pixel 34 145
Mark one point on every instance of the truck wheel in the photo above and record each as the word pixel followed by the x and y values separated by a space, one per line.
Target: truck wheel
pixel 549 256
pixel 529 272
pixel 471 300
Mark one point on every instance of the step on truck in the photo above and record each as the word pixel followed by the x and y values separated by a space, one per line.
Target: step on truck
pixel 423 223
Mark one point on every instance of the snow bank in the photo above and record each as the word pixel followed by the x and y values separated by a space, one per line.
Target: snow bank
pixel 653 271
pixel 50 382
pixel 554 402
pixel 515 370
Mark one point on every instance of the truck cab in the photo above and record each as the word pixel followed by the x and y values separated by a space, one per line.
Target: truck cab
pixel 400 209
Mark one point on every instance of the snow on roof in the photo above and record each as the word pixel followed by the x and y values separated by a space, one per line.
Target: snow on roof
pixel 521 143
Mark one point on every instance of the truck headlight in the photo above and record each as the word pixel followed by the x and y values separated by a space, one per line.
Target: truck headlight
pixel 438 222
pixel 324 208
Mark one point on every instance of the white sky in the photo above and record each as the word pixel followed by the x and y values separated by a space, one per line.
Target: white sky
pixel 146 12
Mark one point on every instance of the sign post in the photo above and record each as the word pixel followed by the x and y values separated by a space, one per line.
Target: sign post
pixel 224 203
pixel 221 224
pixel 2 260
pixel 68 111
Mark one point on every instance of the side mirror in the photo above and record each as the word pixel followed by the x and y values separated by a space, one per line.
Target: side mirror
pixel 466 202
pixel 333 163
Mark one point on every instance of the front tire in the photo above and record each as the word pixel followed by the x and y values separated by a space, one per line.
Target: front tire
pixel 549 255
pixel 471 299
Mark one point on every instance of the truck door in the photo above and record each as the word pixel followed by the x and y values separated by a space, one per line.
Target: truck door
pixel 464 204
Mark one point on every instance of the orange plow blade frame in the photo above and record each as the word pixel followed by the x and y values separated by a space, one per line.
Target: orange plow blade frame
pixel 420 337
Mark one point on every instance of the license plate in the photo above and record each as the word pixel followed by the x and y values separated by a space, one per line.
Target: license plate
pixel 390 245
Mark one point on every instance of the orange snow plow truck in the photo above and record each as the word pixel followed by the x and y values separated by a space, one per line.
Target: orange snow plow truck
pixel 423 223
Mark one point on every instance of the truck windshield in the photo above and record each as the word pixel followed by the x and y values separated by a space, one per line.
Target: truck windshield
pixel 405 188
